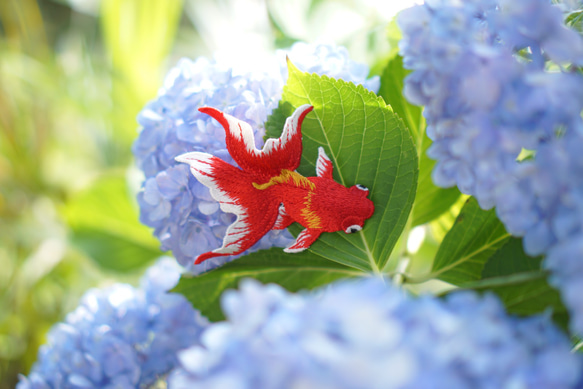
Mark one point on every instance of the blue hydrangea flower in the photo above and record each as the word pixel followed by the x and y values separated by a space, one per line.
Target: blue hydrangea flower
pixel 479 93
pixel 184 216
pixel 496 78
pixel 329 60
pixel 120 337
pixel 366 334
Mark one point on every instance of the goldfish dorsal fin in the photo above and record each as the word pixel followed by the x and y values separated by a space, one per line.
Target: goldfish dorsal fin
pixel 284 152
pixel 323 165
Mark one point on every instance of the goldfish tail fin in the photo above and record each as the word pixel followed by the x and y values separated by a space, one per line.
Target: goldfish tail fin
pixel 284 152
pixel 239 138
pixel 256 211
pixel 304 240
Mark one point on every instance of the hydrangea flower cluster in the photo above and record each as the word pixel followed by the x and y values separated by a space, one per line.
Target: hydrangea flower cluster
pixel 185 217
pixel 367 334
pixel 497 78
pixel 119 337
pixel 329 60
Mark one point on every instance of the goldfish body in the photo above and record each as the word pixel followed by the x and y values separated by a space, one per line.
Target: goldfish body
pixel 265 191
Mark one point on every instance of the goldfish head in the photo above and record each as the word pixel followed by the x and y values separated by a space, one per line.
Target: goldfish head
pixel 360 209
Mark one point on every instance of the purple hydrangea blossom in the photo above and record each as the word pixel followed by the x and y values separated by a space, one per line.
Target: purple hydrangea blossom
pixel 367 334
pixel 185 218
pixel 497 78
pixel 120 337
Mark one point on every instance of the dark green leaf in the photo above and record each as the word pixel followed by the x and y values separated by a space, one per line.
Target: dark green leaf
pixel 391 90
pixel 510 259
pixel 292 271
pixel 519 281
pixel 368 145
pixel 104 224
pixel 475 236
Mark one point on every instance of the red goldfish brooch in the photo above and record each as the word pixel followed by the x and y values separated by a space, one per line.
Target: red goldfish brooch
pixel 265 191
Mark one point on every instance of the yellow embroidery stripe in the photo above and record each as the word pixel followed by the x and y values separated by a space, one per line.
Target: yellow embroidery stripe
pixel 284 177
pixel 312 219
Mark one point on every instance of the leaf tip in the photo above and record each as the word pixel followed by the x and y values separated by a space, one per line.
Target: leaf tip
pixel 291 68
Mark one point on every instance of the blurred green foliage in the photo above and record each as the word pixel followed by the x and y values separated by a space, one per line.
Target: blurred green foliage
pixel 71 84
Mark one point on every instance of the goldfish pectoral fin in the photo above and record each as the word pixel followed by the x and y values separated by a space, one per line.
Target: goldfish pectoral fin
pixel 233 189
pixel 215 174
pixel 283 219
pixel 231 246
pixel 250 226
pixel 304 240
pixel 211 254
pixel 324 166
pixel 193 158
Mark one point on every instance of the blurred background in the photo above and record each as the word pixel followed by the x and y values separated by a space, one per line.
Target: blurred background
pixel 73 76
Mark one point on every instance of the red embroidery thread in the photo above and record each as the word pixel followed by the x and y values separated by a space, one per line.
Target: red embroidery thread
pixel 267 193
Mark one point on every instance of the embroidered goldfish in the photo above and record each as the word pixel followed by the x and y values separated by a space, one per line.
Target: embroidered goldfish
pixel 265 192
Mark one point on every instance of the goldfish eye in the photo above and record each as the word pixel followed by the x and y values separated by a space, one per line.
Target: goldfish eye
pixel 353 228
pixel 361 187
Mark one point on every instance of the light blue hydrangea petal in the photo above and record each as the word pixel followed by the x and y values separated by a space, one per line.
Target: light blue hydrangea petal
pixel 119 337
pixel 366 334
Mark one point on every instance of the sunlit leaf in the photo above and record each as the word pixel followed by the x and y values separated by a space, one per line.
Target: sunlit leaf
pixel 368 145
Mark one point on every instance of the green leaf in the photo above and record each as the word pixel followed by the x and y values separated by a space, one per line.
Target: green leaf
pixel 294 272
pixel 575 20
pixel 104 224
pixel 510 259
pixel 519 281
pixel 391 90
pixel 431 201
pixel 475 236
pixel 368 145
pixel 111 251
